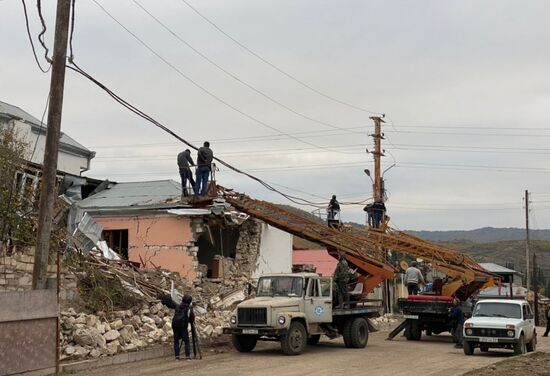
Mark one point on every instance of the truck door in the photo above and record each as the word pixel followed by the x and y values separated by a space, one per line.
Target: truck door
pixel 318 302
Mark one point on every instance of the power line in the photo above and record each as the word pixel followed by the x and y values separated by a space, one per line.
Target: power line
pixel 471 133
pixel 30 40
pixel 280 70
pixel 232 75
pixel 202 88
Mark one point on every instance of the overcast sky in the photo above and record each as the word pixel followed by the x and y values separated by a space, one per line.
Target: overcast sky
pixel 466 85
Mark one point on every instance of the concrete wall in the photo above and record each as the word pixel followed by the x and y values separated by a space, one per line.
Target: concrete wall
pixel 158 240
pixel 275 252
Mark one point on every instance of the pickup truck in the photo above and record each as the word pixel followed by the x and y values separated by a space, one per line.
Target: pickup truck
pixel 500 324
pixel 296 309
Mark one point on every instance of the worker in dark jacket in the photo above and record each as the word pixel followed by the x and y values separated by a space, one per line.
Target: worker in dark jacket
pixel 341 279
pixel 333 208
pixel 547 322
pixel 204 166
pixel 184 163
pixel 457 316
pixel 183 316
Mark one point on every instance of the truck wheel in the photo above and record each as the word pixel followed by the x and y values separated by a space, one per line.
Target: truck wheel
pixel 532 346
pixel 519 347
pixel 314 339
pixel 346 333
pixel 243 343
pixel 468 348
pixel 294 341
pixel 359 333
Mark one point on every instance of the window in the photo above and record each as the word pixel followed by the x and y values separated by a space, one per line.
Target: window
pixel 313 288
pixel 527 314
pixel 280 286
pixel 325 287
pixel 117 240
pixel 489 309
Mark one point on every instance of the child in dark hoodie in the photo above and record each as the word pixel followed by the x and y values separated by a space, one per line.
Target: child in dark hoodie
pixel 183 316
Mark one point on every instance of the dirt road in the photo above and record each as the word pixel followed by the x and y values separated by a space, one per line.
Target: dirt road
pixel 434 356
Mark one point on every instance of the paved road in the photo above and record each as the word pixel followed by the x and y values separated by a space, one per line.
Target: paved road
pixel 434 356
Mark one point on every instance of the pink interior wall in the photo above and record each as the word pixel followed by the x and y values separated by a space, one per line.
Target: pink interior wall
pixel 156 240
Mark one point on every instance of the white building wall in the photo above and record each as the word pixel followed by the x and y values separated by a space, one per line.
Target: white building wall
pixel 66 161
pixel 275 252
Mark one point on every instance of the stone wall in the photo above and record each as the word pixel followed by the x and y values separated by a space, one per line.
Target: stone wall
pixel 16 274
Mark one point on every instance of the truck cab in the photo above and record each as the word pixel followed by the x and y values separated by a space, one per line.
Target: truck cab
pixel 500 324
pixel 296 309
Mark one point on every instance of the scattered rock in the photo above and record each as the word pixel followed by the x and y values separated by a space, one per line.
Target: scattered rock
pixel 111 335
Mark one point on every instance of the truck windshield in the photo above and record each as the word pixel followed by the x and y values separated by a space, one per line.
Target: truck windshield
pixel 280 286
pixel 512 311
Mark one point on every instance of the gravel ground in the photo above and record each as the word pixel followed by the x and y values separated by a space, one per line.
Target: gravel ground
pixel 537 364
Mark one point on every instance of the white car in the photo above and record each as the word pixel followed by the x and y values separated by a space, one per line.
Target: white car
pixel 500 324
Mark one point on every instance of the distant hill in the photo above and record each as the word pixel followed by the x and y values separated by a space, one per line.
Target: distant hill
pixel 481 235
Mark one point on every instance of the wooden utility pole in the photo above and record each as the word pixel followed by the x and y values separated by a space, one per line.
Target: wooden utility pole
pixel 535 289
pixel 378 191
pixel 377 188
pixel 527 251
pixel 53 133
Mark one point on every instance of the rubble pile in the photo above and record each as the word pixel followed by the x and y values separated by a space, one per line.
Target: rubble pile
pixel 384 321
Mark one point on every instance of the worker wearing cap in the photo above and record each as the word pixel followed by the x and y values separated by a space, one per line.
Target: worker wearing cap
pixel 457 316
pixel 413 277
pixel 341 279
pixel 184 163
pixel 333 208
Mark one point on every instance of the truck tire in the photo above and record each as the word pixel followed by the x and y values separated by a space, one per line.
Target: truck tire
pixel 532 345
pixel 314 339
pixel 346 333
pixel 519 347
pixel 413 331
pixel 359 333
pixel 244 343
pixel 294 340
pixel 468 348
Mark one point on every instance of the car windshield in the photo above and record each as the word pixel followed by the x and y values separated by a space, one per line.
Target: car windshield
pixel 280 286
pixel 512 311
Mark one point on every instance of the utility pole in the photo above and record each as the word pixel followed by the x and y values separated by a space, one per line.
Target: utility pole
pixel 378 184
pixel 53 133
pixel 536 288
pixel 527 251
pixel 378 192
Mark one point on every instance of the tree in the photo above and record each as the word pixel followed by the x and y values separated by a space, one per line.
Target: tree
pixel 16 198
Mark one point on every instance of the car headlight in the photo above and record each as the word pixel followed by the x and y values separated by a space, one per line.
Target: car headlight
pixel 282 320
pixel 510 333
pixel 469 332
pixel 233 320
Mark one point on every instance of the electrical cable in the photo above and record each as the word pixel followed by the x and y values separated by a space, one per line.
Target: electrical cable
pixel 41 127
pixel 232 75
pixel 44 28
pixel 297 200
pixel 280 70
pixel 204 89
pixel 30 40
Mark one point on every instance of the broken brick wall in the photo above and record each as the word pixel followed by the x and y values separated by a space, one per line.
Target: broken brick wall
pixel 158 240
pixel 16 274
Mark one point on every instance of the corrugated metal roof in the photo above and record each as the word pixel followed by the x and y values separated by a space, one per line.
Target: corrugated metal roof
pixel 17 113
pixel 137 194
pixel 497 269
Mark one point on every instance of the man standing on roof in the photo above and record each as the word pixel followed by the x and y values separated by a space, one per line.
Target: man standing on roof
pixel 184 163
pixel 204 166
pixel 413 277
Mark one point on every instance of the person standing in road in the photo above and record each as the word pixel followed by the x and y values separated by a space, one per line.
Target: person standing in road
pixel 184 163
pixel 457 316
pixel 204 166
pixel 413 277
pixel 183 317
pixel 547 322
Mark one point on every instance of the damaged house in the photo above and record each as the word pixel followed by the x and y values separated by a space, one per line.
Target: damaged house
pixel 145 223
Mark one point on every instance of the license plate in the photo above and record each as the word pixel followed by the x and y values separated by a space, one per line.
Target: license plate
pixel 250 331
pixel 414 317
pixel 488 339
